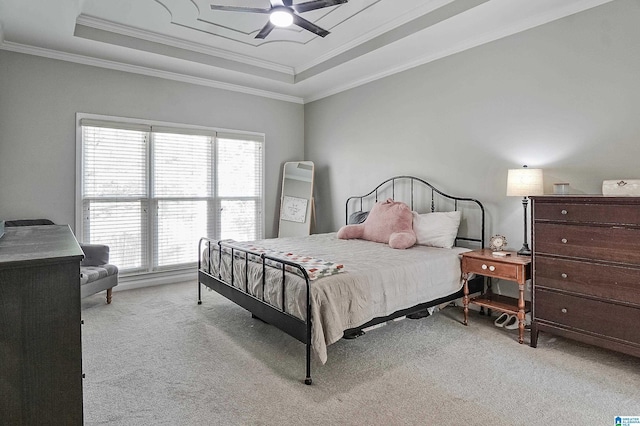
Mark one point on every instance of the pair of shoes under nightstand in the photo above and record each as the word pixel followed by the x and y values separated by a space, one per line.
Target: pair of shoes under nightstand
pixel 510 322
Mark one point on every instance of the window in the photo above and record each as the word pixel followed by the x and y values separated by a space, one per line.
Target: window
pixel 150 192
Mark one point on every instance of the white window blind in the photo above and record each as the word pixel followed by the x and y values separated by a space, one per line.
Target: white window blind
pixel 182 195
pixel 240 198
pixel 114 193
pixel 151 192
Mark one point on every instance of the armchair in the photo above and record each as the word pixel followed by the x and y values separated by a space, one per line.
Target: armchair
pixel 96 273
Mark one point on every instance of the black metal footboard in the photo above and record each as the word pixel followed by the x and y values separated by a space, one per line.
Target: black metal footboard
pixel 290 324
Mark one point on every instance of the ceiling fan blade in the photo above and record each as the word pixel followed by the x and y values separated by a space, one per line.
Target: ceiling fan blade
pixel 287 3
pixel 316 4
pixel 303 23
pixel 239 9
pixel 265 30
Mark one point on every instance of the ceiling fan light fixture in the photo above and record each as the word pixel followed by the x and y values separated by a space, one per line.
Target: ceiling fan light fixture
pixel 281 17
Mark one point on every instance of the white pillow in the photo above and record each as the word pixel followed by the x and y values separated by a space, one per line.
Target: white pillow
pixel 436 229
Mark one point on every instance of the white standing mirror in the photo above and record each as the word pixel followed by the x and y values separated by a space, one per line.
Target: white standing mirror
pixel 296 204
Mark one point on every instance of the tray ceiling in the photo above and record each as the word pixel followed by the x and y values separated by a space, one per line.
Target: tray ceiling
pixel 187 41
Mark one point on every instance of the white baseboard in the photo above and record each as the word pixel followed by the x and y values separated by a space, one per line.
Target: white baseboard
pixel 149 280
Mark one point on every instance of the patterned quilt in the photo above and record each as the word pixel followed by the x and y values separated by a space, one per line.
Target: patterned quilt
pixel 316 268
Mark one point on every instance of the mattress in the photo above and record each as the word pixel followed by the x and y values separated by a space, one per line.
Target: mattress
pixel 376 281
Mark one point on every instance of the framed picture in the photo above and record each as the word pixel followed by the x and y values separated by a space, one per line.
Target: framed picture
pixel 294 209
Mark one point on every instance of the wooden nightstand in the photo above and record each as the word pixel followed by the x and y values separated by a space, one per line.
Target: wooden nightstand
pixel 512 268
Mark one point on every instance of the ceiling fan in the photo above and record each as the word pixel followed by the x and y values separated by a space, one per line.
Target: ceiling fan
pixel 283 13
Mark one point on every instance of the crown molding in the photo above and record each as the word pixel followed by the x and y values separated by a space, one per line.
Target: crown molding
pixel 530 22
pixel 432 18
pixel 136 69
pixel 104 25
pixel 402 20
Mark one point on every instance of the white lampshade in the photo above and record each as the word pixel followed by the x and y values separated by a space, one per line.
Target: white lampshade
pixel 524 182
pixel 281 17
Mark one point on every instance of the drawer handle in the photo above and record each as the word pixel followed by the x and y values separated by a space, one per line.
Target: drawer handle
pixel 484 266
pixel 564 241
pixel 563 275
pixel 564 310
pixel 563 212
pixel 492 268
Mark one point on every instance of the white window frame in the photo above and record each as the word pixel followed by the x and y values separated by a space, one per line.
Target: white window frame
pixel 152 199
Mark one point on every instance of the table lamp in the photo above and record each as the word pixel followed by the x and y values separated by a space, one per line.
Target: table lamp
pixel 524 182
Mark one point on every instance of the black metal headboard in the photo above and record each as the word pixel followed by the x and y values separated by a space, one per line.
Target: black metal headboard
pixel 420 194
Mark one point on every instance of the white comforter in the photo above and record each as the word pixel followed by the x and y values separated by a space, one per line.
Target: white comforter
pixel 377 281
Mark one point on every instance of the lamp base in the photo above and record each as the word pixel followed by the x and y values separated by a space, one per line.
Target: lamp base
pixel 525 250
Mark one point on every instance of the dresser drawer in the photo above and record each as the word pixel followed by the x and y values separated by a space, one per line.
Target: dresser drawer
pixel 588 213
pixel 489 268
pixel 593 316
pixel 606 281
pixel 610 243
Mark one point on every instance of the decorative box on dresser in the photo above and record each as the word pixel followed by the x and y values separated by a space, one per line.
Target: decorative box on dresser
pixel 586 270
pixel 40 340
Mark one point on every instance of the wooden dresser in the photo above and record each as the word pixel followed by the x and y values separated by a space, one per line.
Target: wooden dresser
pixel 40 341
pixel 586 270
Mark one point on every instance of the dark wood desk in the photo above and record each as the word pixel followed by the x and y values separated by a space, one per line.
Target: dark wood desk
pixel 40 340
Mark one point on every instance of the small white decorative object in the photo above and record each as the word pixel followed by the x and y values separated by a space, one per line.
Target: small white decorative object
pixel 561 188
pixel 497 243
pixel 294 209
pixel 621 188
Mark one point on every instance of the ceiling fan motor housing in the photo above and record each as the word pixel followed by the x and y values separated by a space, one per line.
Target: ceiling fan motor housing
pixel 281 16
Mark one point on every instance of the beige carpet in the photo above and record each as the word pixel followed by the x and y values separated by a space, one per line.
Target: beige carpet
pixel 154 357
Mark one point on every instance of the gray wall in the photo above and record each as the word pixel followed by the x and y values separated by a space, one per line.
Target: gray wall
pixel 564 97
pixel 39 99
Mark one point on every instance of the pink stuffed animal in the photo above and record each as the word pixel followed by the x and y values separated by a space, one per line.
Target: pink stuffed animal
pixel 388 222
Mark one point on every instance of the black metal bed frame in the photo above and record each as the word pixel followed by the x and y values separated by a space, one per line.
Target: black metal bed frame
pixel 300 329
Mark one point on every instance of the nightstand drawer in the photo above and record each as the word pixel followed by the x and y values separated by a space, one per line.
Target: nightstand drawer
pixel 613 282
pixel 593 316
pixel 611 243
pixel 588 213
pixel 489 268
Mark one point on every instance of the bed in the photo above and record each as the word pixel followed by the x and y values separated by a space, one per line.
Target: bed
pixel 320 288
